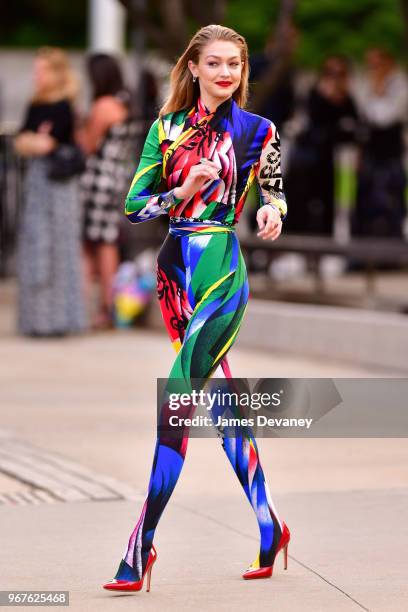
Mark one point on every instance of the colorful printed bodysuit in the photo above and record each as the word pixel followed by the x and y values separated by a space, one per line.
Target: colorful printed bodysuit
pixel 202 285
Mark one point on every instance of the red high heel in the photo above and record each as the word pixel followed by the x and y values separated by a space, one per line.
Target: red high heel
pixel 135 585
pixel 266 572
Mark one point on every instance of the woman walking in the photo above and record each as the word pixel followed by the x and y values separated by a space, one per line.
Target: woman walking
pixel 198 162
pixel 49 254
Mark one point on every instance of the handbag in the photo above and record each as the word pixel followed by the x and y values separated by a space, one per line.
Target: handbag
pixel 65 162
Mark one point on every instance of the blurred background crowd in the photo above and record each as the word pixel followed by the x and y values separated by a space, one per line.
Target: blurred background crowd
pixel 79 88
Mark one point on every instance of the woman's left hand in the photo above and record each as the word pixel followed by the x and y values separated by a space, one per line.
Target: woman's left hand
pixel 269 222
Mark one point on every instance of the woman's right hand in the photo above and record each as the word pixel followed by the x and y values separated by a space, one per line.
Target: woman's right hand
pixel 197 176
pixel 45 142
pixel 31 144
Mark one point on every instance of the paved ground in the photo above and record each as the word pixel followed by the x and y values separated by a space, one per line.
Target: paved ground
pixel 86 406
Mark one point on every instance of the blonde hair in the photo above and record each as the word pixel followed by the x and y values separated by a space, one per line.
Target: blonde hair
pixel 67 85
pixel 183 92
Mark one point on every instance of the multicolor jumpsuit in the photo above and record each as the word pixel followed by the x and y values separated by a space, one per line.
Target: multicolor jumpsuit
pixel 202 285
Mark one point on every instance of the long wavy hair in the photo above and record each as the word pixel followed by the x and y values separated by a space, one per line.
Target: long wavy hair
pixel 183 92
pixel 66 82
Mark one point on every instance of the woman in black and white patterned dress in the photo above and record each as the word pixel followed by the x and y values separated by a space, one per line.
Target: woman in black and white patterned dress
pixel 107 136
pixel 49 259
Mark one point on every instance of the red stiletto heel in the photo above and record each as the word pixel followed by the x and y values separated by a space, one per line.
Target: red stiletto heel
pixel 136 585
pixel 149 574
pixel 266 572
pixel 285 557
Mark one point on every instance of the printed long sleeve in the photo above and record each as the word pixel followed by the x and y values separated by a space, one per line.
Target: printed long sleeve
pixel 268 172
pixel 143 201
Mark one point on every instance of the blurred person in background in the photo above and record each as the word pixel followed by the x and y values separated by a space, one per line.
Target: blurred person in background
pixel 49 263
pixel 383 106
pixel 148 105
pixel 279 104
pixel 331 119
pixel 145 103
pixel 106 135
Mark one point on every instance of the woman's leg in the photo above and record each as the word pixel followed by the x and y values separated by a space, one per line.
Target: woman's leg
pixel 240 446
pixel 108 262
pixel 89 271
pixel 242 451
pixel 203 293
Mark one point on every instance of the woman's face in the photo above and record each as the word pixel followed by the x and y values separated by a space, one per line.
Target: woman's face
pixel 44 77
pixel 335 69
pixel 377 62
pixel 218 70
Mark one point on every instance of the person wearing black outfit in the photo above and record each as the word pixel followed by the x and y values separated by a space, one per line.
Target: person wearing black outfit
pixel 278 104
pixel 49 265
pixel 331 119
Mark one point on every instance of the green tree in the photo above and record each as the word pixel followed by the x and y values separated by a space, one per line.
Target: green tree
pixel 349 27
pixel 326 26
pixel 32 23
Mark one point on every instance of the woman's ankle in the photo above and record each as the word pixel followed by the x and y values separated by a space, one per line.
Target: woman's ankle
pixel 126 572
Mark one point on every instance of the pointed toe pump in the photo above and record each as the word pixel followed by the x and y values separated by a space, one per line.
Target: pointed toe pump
pixel 254 572
pixel 134 585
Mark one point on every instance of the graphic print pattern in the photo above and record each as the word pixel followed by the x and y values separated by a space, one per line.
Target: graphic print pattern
pixel 203 290
pixel 245 147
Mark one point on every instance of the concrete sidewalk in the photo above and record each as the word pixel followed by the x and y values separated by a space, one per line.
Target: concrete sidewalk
pixel 91 400
pixel 334 563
